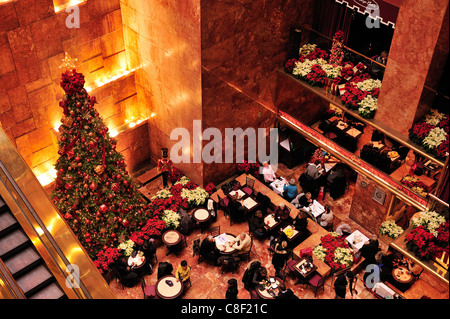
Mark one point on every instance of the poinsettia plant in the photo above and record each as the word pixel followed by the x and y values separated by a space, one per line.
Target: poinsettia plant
pixel 334 251
pixel 248 167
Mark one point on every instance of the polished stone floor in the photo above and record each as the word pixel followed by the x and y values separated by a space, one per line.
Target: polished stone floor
pixel 208 282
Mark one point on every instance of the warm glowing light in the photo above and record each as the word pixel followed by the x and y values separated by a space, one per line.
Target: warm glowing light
pixel 101 82
pixel 47 177
pixel 56 126
pixel 153 114
pixel 132 124
pixel 113 133
pixel 66 4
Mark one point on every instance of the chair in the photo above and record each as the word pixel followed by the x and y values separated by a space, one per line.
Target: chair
pixel 248 187
pixel 215 231
pixel 118 277
pixel 223 204
pixel 316 281
pixel 149 291
pixel 196 247
pixel 229 264
pixel 247 255
pixel 329 227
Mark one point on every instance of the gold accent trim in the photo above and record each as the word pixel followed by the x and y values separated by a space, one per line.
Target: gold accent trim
pixel 401 138
pixel 354 166
pixel 431 266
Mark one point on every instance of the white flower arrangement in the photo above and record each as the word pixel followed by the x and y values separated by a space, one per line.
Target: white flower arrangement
pixel 390 229
pixel 162 194
pixel 195 196
pixel 127 247
pixel 331 70
pixel 368 85
pixel 430 220
pixel 171 218
pixel 320 252
pixel 434 117
pixel 307 49
pixel 303 68
pixel 435 137
pixel 183 180
pixel 367 106
pixel 343 256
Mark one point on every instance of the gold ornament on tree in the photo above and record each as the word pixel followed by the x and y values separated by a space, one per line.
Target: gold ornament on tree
pixel 99 169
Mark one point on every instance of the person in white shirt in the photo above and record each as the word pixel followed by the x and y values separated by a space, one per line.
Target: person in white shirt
pixel 268 173
pixel 327 217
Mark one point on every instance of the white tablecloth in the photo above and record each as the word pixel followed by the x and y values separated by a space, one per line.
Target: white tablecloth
pixel 239 192
pixel 278 184
pixel 382 290
pixel 356 240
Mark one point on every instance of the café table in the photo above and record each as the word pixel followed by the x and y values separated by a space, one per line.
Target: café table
pixel 316 209
pixel 201 216
pixel 402 275
pixel 168 287
pixel 356 240
pixel 250 204
pixel 293 237
pixel 304 267
pixel 136 262
pixel 383 291
pixel 278 185
pixel 267 291
pixel 223 243
pixel 354 133
pixel 238 192
pixel 171 238
pixel 270 221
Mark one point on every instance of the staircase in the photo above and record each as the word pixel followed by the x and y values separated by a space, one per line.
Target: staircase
pixel 23 260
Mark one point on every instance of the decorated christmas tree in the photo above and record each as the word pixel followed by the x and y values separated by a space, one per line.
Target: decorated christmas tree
pixel 337 49
pixel 93 190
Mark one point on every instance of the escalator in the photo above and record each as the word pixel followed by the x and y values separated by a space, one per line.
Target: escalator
pixel 23 261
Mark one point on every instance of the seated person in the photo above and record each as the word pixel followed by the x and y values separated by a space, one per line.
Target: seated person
pixel 281 214
pixel 305 202
pixel 370 249
pixel 343 230
pixel 149 248
pixel 284 293
pixel 237 210
pixel 256 225
pixel 209 250
pixel 327 217
pixel 295 202
pixel 300 222
pixel 128 277
pixel 164 269
pixel 243 244
pixel 290 190
pixel 389 261
pixel 268 173
pixel 183 272
pixel 377 136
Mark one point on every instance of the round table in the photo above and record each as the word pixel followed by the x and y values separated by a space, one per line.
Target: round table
pixel 264 293
pixel 138 262
pixel 201 215
pixel 165 291
pixel 228 250
pixel 171 237
pixel 402 275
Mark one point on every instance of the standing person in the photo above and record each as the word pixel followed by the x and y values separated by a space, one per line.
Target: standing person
pixel 280 256
pixel 165 167
pixel 183 272
pixel 268 173
pixel 369 250
pixel 232 290
pixel 340 285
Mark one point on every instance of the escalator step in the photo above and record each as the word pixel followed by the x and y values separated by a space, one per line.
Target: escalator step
pixel 52 291
pixel 12 241
pixel 7 220
pixel 34 278
pixel 22 260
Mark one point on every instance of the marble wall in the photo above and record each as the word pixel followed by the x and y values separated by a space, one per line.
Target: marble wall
pixel 243 43
pixel 364 210
pixel 33 39
pixel 418 27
